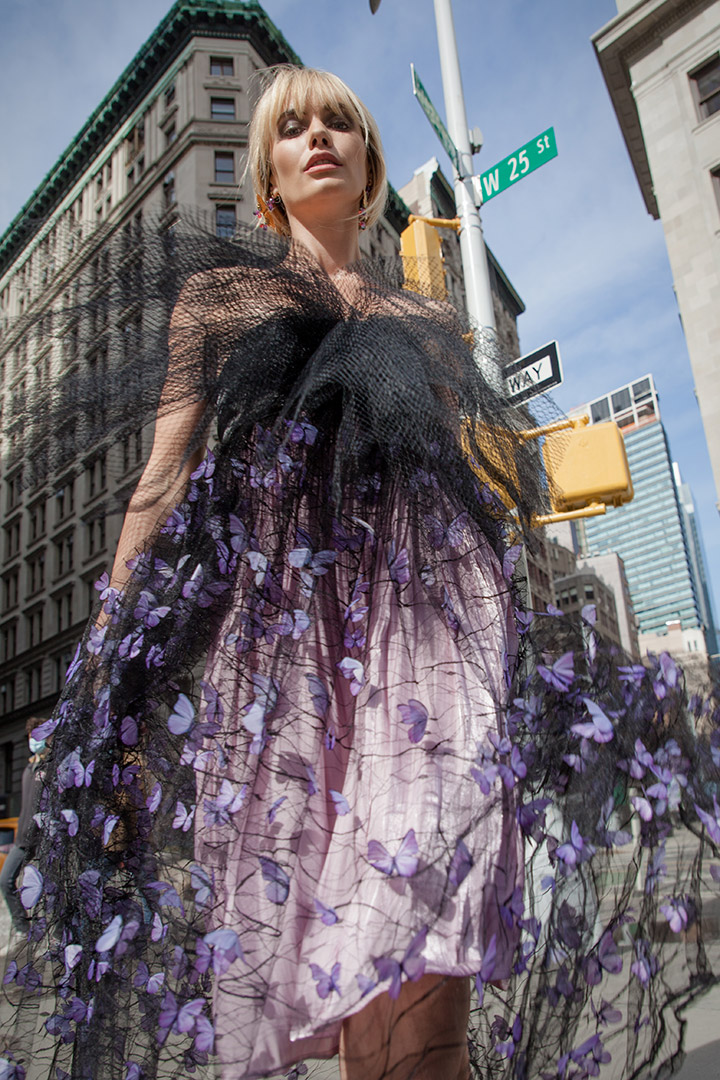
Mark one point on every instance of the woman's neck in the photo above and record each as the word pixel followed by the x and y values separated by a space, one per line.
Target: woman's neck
pixel 334 246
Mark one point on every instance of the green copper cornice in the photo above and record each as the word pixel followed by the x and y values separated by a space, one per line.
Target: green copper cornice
pixel 186 19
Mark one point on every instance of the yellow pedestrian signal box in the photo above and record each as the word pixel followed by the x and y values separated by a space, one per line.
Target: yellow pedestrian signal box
pixel 423 264
pixel 587 465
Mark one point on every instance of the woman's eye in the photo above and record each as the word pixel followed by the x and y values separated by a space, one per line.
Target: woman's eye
pixel 290 128
pixel 341 123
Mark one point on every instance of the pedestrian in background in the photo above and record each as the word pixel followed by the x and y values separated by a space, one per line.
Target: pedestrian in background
pixel 15 859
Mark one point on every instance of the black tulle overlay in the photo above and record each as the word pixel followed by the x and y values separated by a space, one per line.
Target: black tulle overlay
pixel 316 747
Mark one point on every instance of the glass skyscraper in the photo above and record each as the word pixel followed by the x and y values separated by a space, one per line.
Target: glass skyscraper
pixel 663 563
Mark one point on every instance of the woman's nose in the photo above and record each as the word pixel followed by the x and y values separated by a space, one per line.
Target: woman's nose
pixel 318 133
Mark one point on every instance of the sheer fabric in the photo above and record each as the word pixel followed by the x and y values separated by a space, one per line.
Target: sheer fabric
pixel 316 747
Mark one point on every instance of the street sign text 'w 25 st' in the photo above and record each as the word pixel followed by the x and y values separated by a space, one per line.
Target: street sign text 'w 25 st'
pixel 533 374
pixel 521 163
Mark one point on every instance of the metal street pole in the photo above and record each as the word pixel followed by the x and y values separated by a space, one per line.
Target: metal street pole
pixel 472 243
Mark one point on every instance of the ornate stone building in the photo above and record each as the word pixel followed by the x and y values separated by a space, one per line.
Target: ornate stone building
pixel 661 63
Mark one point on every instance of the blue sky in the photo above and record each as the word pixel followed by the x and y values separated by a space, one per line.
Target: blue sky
pixel 573 237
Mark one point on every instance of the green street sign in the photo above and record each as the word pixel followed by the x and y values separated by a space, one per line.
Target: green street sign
pixel 434 117
pixel 521 163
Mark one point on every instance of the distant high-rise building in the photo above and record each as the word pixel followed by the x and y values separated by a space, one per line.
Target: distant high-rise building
pixel 650 533
pixel 698 560
pixel 661 63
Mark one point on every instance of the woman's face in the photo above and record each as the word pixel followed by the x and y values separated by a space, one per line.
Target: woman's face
pixel 319 164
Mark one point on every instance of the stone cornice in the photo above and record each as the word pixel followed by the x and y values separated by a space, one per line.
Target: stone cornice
pixel 618 45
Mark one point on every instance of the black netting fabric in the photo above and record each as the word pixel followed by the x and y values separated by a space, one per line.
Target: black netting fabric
pixel 312 749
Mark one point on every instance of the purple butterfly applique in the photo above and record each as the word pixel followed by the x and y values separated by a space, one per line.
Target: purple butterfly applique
pixel 181 719
pixel 562 673
pixel 278 883
pixel 412 965
pixel 32 886
pixel 144 980
pixel 510 558
pixel 183 818
pixel 398 564
pixel 328 914
pixel 353 671
pixel 404 863
pixel 342 806
pixel 599 728
pixel 710 821
pixel 266 695
pixel 575 850
pixel 272 812
pixel 439 535
pixel 487 968
pixel 219 810
pixel 460 865
pixel 319 695
pixel 326 984
pixel 415 715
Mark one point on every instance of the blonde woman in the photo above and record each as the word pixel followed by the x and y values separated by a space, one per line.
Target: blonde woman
pixel 281 818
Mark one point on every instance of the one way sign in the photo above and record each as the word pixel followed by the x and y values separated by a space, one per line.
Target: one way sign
pixel 533 374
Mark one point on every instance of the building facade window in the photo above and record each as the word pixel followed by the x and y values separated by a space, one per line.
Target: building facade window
pixel 170 135
pixel 222 65
pixel 8 641
pixel 96 474
pixel 64 554
pixel 96 536
pixel 36 573
pixel 706 87
pixel 224 168
pixel 36 518
pixel 63 611
pixel 11 589
pixel 222 108
pixel 225 221
pixel 13 488
pixel 7 696
pixel 61 663
pixel 715 181
pixel 170 95
pixel 33 683
pixel 65 500
pixel 35 627
pixel 12 539
pixel 169 196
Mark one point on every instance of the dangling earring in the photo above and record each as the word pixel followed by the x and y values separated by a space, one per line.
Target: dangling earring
pixel 362 213
pixel 265 209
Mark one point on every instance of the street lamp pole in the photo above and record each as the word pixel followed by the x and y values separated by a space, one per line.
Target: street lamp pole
pixel 472 243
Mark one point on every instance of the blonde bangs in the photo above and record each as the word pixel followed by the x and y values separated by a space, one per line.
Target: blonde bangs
pixel 294 89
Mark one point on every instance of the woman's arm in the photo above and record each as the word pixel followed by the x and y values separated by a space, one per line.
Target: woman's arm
pixel 165 477
pixel 161 486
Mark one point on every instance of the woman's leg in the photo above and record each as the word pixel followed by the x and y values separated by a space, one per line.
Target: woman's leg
pixel 421 1036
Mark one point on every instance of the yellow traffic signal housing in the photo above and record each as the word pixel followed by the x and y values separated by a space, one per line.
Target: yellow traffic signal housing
pixel 423 264
pixel 586 466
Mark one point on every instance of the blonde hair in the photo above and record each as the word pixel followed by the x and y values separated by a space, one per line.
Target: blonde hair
pixel 286 88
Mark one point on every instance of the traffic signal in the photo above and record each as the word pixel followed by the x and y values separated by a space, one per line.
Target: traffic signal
pixel 587 467
pixel 423 264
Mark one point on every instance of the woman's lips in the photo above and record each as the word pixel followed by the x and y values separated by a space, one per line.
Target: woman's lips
pixel 318 165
